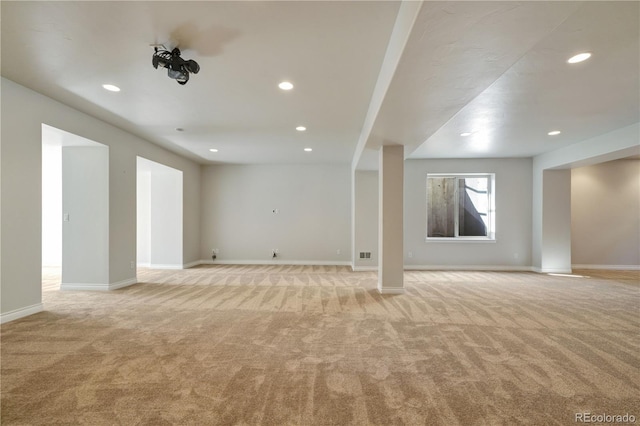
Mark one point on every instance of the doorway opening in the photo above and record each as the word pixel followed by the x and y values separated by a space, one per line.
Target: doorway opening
pixel 75 211
pixel 159 216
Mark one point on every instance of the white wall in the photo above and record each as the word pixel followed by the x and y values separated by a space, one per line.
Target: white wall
pixel 85 205
pixel 166 218
pixel 23 112
pixel 313 220
pixel 512 248
pixel 160 211
pixel 605 215
pixel 556 222
pixel 143 213
pixel 365 219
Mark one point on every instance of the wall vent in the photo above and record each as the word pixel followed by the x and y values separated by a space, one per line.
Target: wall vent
pixel 365 255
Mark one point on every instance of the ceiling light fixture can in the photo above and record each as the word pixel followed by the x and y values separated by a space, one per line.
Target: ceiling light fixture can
pixel 308 149
pixel 213 150
pixel 579 58
pixel 285 85
pixel 465 134
pixel 301 128
pixel 554 133
pixel 111 87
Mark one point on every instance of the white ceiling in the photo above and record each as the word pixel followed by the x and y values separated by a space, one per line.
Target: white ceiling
pixel 497 69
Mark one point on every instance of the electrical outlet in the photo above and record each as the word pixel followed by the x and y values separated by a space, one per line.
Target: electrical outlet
pixel 215 251
pixel 338 251
pixel 133 264
pixel 410 254
pixel 277 251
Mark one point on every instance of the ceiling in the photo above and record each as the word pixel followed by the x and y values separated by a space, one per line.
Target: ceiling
pixel 495 69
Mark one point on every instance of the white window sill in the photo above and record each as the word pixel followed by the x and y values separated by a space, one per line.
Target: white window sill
pixel 460 240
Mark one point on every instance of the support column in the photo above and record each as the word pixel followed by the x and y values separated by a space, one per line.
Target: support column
pixel 555 253
pixel 390 219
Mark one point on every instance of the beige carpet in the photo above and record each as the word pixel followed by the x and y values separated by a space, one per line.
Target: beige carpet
pixel 303 345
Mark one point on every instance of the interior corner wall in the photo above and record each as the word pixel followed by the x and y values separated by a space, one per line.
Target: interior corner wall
pixel 311 224
pixel 512 247
pixel 85 203
pixel 605 215
pixel 23 113
pixel 365 223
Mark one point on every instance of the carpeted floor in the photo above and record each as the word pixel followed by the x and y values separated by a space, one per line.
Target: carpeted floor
pixel 311 345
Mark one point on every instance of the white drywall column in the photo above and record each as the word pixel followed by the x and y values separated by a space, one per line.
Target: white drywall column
pixel 555 244
pixel 390 219
pixel 143 215
pixel 85 205
pixel 166 219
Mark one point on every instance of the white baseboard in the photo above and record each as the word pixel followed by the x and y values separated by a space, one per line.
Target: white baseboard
pixel 497 268
pixel 609 267
pixel 170 266
pixel 364 268
pixel 551 270
pixel 276 262
pixel 165 266
pixel 391 290
pixel 20 313
pixel 84 286
pixel 97 286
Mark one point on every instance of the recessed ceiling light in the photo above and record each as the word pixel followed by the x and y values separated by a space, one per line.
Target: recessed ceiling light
pixel 285 85
pixel 579 58
pixel 301 128
pixel 308 149
pixel 465 134
pixel 213 150
pixel 554 133
pixel 111 87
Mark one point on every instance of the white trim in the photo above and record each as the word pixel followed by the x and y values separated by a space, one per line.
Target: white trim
pixel 364 268
pixel 551 270
pixel 165 266
pixel 277 262
pixel 21 312
pixel 497 268
pixel 98 286
pixel 192 264
pixel 84 286
pixel 609 267
pixel 391 290
pixel 459 240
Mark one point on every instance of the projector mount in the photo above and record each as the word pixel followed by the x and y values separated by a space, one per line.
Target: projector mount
pixel 177 68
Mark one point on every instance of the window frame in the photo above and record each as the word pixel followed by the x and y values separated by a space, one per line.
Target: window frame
pixel 491 223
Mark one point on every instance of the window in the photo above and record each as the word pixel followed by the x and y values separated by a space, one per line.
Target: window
pixel 460 206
